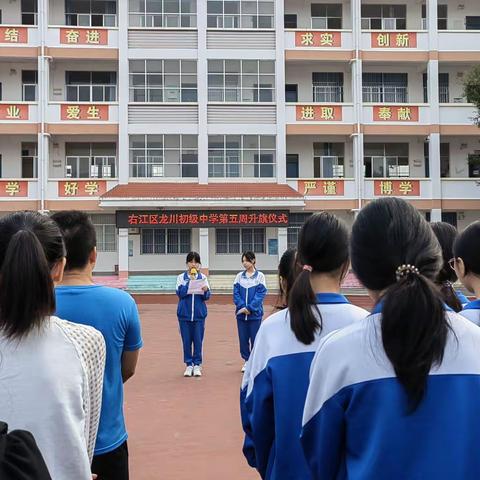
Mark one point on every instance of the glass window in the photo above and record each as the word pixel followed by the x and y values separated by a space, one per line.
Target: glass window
pixel 237 240
pixel 296 222
pixel 91 13
pixel 386 160
pixel 163 13
pixel 257 14
pixel 290 20
pixel 326 15
pixel 91 86
pixel 106 231
pixel 384 17
pixel 160 241
pixel 385 87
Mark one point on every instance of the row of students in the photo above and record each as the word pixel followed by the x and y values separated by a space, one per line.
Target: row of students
pixel 331 392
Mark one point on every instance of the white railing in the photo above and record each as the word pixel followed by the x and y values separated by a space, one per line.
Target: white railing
pixel 163 20
pixel 90 167
pixel 384 94
pixel 91 93
pixel 327 93
pixel 91 19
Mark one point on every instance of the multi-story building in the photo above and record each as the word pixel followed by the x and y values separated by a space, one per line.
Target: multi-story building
pixel 219 125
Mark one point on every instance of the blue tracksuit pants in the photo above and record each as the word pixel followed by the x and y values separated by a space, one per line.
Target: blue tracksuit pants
pixel 247 331
pixel 192 339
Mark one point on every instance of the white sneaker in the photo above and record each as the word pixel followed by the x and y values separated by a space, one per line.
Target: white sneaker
pixel 197 371
pixel 188 371
pixel 244 367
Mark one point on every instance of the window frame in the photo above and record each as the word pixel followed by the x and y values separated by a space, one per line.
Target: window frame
pixel 161 19
pixel 167 234
pixel 238 17
pixel 242 244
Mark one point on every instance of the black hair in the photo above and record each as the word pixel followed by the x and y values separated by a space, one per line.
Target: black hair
pixel 30 246
pixel 288 271
pixel 467 247
pixel 79 235
pixel 387 234
pixel 249 256
pixel 446 235
pixel 193 257
pixel 323 247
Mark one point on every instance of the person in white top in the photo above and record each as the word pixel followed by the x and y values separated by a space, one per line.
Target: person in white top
pixel 51 370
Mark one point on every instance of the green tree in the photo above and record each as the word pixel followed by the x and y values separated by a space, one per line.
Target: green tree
pixel 471 86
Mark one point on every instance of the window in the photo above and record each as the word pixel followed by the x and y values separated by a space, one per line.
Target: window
pixel 163 156
pixel 384 17
pixel 90 160
pixel 327 86
pixel 243 156
pixel 291 93
pixel 91 86
pixel 385 87
pixel 163 13
pixel 296 222
pixel 163 81
pixel 240 13
pixel 290 20
pixel 29 12
pixel 328 160
pixel 444 159
pixel 106 231
pixel 161 241
pixel 443 88
pixel 238 240
pixel 472 23
pixel 292 165
pixel 386 160
pixel 29 85
pixel 326 15
pixel 29 160
pixel 243 81
pixel 442 16
pixel 91 13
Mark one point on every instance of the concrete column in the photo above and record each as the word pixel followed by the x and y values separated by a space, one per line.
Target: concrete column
pixel 123 252
pixel 282 236
pixel 434 160
pixel 280 93
pixel 202 89
pixel 432 24
pixel 204 249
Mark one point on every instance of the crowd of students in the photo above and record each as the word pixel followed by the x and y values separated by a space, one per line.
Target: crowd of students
pixel 332 392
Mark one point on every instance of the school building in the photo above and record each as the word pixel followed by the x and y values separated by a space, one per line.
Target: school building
pixel 220 125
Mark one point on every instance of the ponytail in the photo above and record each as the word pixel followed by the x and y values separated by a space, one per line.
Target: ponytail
pixel 302 298
pixel 414 332
pixel 450 296
pixel 26 286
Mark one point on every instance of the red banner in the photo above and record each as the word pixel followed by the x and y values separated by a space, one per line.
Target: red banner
pixel 84 112
pixel 82 188
pixel 13 111
pixel 395 113
pixel 13 188
pixel 13 35
pixel 319 113
pixel 394 40
pixel 83 36
pixel 324 187
pixel 318 39
pixel 397 188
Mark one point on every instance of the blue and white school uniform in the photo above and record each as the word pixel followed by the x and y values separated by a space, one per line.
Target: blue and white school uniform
pixel 277 374
pixel 471 311
pixel 356 425
pixel 191 313
pixel 248 292
pixel 462 298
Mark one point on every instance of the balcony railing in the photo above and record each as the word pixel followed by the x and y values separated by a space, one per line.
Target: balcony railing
pixel 90 167
pixel 327 93
pixel 91 93
pixel 91 19
pixel 385 94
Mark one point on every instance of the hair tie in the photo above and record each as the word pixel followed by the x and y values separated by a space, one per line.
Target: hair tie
pixel 404 270
pixel 308 268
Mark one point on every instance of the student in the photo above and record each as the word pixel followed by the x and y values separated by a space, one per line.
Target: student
pixel 51 371
pixel 287 274
pixel 249 290
pixel 191 313
pixel 466 261
pixel 276 380
pixel 446 235
pixel 395 396
pixel 114 313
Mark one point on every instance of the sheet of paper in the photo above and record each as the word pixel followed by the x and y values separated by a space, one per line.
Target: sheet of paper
pixel 196 286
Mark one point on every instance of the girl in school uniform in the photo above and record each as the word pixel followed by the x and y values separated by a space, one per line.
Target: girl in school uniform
pixel 446 235
pixel 466 262
pixel 395 396
pixel 191 313
pixel 249 290
pixel 276 379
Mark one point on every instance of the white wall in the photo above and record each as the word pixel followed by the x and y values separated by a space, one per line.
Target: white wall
pixel 11 151
pixel 465 218
pixel 456 75
pixel 456 16
pixel 303 10
pixel 106 262
pixel 303 146
pixel 301 74
pixel 460 147
pixel 11 79
pixel 11 12
pixel 56 12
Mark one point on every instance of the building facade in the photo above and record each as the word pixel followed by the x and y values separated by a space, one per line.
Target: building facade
pixel 220 125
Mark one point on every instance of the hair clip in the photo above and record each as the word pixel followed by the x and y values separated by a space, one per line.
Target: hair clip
pixel 406 269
